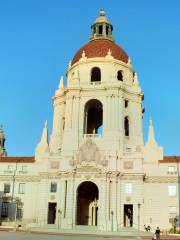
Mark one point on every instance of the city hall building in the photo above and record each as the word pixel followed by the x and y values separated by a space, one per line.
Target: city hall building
pixel 94 169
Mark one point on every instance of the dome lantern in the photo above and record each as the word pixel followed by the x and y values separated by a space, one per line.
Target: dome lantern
pixel 102 28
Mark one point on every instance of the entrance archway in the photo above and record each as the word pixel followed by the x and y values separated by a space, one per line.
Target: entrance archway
pixel 87 204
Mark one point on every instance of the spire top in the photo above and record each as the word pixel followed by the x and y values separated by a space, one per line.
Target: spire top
pixel 61 83
pixel 46 124
pixel 102 13
pixel 151 137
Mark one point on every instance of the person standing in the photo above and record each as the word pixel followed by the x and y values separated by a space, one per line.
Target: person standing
pixel 157 232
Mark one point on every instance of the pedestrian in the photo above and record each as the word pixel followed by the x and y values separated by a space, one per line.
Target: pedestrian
pixel 148 228
pixel 157 232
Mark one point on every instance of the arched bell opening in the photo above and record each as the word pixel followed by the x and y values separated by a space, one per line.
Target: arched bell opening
pixel 93 117
pixel 87 204
pixel 95 74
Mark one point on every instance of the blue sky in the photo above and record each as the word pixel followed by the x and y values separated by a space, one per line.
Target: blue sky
pixel 40 37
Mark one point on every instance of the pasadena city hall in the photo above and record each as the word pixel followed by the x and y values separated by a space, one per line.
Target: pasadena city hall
pixel 94 169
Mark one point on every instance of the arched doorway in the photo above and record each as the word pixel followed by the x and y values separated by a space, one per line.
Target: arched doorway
pixel 93 117
pixel 87 204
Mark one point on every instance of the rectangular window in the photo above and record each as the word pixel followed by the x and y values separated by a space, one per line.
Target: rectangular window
pixel 10 168
pixel 7 187
pixel 128 188
pixel 171 169
pixel 24 168
pixel 172 190
pixel 172 209
pixel 53 187
pixel 21 188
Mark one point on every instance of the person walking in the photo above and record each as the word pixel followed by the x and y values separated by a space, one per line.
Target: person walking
pixel 157 233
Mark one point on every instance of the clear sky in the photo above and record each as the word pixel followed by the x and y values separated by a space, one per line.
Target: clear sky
pixel 38 38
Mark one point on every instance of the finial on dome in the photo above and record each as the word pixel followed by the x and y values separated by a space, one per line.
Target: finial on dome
pixel 129 61
pixel 70 63
pixel 136 79
pixel 102 12
pixel 83 54
pixel 109 52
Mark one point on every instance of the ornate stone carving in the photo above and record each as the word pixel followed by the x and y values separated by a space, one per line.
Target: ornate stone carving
pixel 54 165
pixel 128 165
pixel 88 154
pixel 138 148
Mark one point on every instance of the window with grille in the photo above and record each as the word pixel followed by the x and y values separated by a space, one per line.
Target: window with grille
pixel 4 209
pixel 21 188
pixel 7 187
pixel 53 187
pixel 128 188
pixel 172 190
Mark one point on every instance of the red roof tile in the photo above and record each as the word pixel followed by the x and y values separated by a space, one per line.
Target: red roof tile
pixel 17 159
pixel 170 159
pixel 100 48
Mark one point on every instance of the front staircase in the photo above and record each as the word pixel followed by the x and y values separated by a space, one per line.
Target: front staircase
pixel 126 233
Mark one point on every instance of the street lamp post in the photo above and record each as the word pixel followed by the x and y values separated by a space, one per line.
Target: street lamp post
pixel 59 218
pixel 178 181
pixel 112 213
pixel 13 188
pixel 139 205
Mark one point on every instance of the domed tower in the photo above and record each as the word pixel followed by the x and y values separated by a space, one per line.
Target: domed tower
pixel 97 133
pixel 3 152
pixel 102 99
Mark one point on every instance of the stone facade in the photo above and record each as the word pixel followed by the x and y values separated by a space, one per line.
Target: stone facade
pixel 96 169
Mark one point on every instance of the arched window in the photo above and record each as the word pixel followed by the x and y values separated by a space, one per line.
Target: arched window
pixel 95 75
pixel 100 29
pixel 93 117
pixel 126 126
pixel 120 75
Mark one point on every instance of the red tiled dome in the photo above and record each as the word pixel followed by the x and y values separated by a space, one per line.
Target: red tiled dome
pixel 100 48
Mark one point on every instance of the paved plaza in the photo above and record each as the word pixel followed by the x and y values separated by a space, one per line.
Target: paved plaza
pixel 34 236
pixel 38 236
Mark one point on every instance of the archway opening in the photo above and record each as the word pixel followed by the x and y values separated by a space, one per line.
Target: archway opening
pixel 93 117
pixel 87 204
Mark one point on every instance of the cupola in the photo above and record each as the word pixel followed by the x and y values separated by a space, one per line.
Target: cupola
pixel 102 28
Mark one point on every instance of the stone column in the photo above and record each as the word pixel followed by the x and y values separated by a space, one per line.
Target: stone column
pixel 69 218
pixel 43 202
pixel 102 206
pixel 114 206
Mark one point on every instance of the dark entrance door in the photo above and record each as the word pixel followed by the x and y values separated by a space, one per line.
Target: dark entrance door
pixel 51 213
pixel 87 204
pixel 128 215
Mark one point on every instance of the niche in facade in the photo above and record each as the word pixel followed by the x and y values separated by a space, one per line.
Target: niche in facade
pixel 95 75
pixel 93 117
pixel 126 126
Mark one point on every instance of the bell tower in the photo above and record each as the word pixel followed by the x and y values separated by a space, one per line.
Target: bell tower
pixel 102 99
pixel 3 152
pixel 97 134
